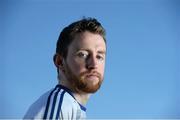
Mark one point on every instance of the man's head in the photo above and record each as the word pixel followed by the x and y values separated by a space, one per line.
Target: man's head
pixel 80 55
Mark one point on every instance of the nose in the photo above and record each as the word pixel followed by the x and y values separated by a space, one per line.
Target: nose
pixel 92 62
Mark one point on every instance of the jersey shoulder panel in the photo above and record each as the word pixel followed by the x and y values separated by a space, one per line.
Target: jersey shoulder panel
pixel 71 109
pixel 58 103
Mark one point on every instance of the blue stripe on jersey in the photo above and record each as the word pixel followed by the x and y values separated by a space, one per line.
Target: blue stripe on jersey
pixel 82 107
pixel 54 103
pixel 66 89
pixel 69 91
pixel 60 104
pixel 48 102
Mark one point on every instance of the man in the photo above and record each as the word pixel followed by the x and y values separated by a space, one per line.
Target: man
pixel 80 61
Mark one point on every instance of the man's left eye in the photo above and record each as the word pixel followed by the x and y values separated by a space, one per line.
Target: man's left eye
pixel 99 57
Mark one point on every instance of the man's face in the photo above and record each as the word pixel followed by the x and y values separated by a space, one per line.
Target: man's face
pixel 85 62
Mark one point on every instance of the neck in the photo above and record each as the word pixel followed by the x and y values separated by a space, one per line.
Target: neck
pixel 82 98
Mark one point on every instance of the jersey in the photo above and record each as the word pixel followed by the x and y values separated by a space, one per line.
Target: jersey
pixel 58 103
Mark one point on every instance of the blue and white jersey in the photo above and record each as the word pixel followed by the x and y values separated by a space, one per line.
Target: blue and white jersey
pixel 58 103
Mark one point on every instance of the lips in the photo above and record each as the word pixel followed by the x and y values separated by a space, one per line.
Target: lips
pixel 93 76
pixel 89 75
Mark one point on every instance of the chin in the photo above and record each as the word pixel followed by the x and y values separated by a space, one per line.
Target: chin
pixel 91 88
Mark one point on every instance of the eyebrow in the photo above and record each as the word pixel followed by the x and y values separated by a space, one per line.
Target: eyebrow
pixel 102 52
pixel 99 51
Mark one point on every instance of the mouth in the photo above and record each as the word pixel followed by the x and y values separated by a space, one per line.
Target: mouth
pixel 92 77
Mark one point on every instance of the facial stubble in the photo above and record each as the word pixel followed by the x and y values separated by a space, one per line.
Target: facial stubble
pixel 80 84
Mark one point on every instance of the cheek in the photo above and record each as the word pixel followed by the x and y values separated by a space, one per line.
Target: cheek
pixel 76 66
pixel 101 69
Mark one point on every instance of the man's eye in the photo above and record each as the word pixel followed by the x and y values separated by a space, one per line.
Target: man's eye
pixel 99 57
pixel 82 55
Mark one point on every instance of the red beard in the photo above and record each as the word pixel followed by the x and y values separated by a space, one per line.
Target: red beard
pixel 81 82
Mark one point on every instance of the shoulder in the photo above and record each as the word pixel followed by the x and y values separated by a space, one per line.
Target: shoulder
pixel 56 103
pixel 60 104
pixel 69 102
pixel 70 107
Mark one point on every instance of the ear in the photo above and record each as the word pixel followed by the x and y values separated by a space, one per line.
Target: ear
pixel 58 60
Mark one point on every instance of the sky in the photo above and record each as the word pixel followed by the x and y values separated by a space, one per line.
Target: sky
pixel 142 74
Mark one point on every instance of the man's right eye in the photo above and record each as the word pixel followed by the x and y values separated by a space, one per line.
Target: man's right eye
pixel 82 55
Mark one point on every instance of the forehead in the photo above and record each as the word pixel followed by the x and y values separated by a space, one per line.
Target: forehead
pixel 90 41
